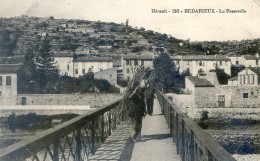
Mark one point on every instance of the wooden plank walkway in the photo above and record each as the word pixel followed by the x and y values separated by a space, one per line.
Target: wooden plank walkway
pixel 156 144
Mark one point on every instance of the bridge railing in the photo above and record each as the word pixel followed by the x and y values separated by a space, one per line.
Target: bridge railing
pixel 193 143
pixel 75 139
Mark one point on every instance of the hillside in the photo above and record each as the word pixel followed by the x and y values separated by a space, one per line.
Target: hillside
pixel 99 38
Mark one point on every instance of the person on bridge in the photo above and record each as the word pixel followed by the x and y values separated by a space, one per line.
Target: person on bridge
pixel 139 103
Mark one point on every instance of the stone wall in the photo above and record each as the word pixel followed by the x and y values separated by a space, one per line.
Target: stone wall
pixel 234 96
pixel 253 96
pixel 93 100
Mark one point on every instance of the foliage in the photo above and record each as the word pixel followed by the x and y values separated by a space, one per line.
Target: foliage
pixel 221 75
pixel 8 40
pixel 121 81
pixel 27 75
pixel 236 69
pixel 46 69
pixel 164 71
pixel 84 84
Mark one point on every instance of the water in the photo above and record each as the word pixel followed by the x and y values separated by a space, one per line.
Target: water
pixel 10 136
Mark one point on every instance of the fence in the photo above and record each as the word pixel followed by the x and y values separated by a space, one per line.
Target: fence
pixel 72 140
pixel 193 144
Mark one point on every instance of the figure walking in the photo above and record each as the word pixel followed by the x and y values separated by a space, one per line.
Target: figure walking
pixel 139 109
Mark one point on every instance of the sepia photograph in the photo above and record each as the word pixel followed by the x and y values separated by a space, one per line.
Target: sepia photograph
pixel 130 80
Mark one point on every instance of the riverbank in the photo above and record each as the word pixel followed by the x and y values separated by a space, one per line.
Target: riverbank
pixel 16 128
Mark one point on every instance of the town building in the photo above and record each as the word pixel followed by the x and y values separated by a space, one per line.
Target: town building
pixel 245 60
pixel 84 64
pixel 110 75
pixel 8 83
pixel 193 64
pixel 131 62
pixel 77 65
pixel 241 91
pixel 64 62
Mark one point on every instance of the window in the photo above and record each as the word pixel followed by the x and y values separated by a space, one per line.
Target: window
pixel 68 67
pixel 142 62
pixel 127 62
pixel 237 62
pixel 188 63
pixel 200 63
pixel 1 80
pixel 203 64
pixel 127 70
pixel 244 79
pixel 76 71
pixel 256 62
pixel 245 95
pixel 101 69
pixel 136 62
pixel 248 79
pixel 253 79
pixel 83 71
pixel 128 78
pixel 8 81
pixel 220 62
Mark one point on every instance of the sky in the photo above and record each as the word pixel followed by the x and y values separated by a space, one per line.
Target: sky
pixel 196 27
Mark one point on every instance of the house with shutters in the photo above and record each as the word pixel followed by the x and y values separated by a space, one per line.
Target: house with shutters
pixel 8 83
pixel 131 62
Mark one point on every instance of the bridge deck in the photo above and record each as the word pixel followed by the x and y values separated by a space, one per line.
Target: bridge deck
pixel 156 142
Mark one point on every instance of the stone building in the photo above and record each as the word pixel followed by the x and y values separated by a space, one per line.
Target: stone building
pixel 242 91
pixel 110 75
pixel 8 83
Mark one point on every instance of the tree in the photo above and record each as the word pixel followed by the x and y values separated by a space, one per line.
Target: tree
pixel 221 75
pixel 164 71
pixel 27 74
pixel 47 71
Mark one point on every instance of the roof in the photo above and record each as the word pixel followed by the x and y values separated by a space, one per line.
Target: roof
pixel 93 59
pixel 255 70
pixel 117 63
pixel 251 57
pixel 200 82
pixel 202 57
pixel 63 54
pixel 138 57
pixel 9 68
pixel 233 78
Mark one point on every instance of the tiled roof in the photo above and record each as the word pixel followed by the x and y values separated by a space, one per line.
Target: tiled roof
pixel 93 59
pixel 200 82
pixel 255 70
pixel 9 68
pixel 233 78
pixel 201 57
pixel 63 54
pixel 206 57
pixel 251 57
pixel 176 57
pixel 117 63
pixel 138 57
